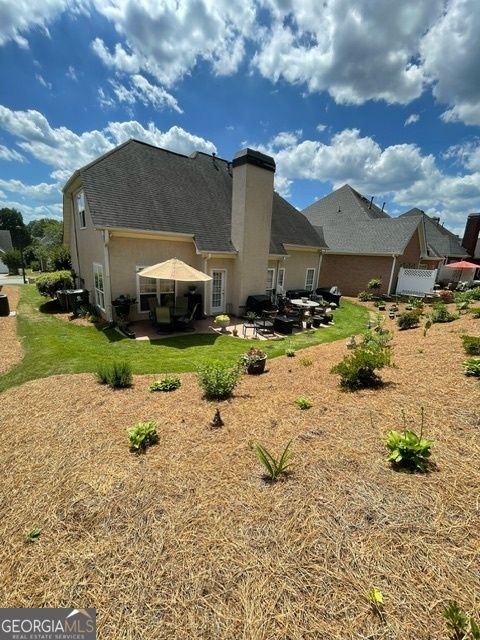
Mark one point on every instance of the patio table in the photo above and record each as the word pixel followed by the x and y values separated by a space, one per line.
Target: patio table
pixel 309 304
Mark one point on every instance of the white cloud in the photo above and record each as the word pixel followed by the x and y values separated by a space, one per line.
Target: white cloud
pixel 105 100
pixel 42 191
pixel 321 127
pixel 143 91
pixel 30 212
pixel 72 74
pixel 11 155
pixel 412 119
pixel 64 149
pixel 42 81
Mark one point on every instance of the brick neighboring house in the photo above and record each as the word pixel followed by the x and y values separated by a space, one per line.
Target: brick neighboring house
pixel 139 205
pixel 5 245
pixel 364 242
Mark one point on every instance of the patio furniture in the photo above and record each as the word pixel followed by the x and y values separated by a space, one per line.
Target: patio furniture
pixel 258 303
pixel 185 322
pixel 284 325
pixel 330 294
pixel 163 318
pixel 265 323
pixel 249 324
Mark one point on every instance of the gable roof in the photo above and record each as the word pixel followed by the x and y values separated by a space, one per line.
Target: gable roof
pixel 440 241
pixel 351 224
pixel 139 186
pixel 5 241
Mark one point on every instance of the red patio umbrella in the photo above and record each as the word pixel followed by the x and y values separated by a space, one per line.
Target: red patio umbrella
pixel 463 264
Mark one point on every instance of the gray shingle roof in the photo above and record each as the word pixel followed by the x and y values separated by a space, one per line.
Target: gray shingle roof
pixel 139 186
pixel 350 224
pixel 440 241
pixel 5 240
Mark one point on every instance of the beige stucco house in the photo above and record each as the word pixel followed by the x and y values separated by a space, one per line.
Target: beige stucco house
pixel 139 205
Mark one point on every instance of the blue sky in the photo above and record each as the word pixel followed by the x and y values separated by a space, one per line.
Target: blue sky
pixel 382 95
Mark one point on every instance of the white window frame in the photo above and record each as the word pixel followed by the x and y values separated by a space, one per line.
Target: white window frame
pixel 99 293
pixel 272 271
pixel 80 212
pixel 310 287
pixel 161 287
pixel 281 280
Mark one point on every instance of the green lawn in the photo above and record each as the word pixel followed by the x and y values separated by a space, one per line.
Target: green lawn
pixel 54 346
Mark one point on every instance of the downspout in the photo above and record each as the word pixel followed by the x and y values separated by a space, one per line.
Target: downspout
pixel 205 284
pixel 79 275
pixel 394 263
pixel 320 260
pixel 108 284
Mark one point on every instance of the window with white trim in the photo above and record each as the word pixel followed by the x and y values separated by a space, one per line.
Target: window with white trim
pixel 270 279
pixel 161 291
pixel 98 285
pixel 79 200
pixel 281 280
pixel 309 279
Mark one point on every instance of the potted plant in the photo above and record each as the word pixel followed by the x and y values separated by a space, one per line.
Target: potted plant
pixel 223 321
pixel 254 361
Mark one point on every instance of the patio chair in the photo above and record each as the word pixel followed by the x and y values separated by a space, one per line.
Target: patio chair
pixel 185 322
pixel 265 323
pixel 163 318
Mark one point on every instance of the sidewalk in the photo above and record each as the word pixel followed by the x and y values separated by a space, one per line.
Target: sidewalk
pixel 4 279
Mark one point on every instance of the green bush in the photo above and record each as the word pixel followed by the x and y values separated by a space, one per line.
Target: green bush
pixel 446 296
pixel 142 435
pixel 13 260
pixel 471 345
pixel 49 283
pixel 88 311
pixel 374 284
pixel 304 403
pixel 475 312
pixel 475 293
pixel 274 467
pixel 169 383
pixel 306 361
pixel 408 451
pixel 35 265
pixel 441 313
pixel 408 320
pixel 218 380
pixel 364 296
pixel 290 353
pixel 471 367
pixel 117 375
pixel 357 370
pixel 459 624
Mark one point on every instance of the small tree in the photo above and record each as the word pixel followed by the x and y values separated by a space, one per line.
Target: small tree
pixel 13 260
pixel 375 284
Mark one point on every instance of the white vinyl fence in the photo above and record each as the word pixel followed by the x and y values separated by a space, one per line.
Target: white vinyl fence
pixel 415 282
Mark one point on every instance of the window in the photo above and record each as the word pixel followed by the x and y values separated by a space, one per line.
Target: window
pixel 79 200
pixel 270 279
pixel 281 280
pixel 309 279
pixel 99 286
pixel 161 291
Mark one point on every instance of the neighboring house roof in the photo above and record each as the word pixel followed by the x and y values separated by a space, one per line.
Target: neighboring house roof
pixel 5 241
pixel 349 223
pixel 440 241
pixel 139 186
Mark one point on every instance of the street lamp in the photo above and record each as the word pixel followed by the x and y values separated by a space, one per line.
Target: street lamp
pixel 19 228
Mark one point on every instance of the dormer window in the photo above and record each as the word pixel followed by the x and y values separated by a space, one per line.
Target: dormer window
pixel 79 200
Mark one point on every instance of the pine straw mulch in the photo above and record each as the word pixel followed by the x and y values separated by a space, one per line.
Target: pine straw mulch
pixel 11 351
pixel 187 541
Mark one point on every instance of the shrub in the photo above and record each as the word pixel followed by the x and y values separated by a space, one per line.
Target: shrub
pixel 89 312
pixel 408 451
pixel 446 296
pixel 304 403
pixel 441 313
pixel 49 283
pixel 117 374
pixel 408 320
pixel 416 303
pixel 374 284
pixel 273 466
pixel 471 345
pixel 35 265
pixel 306 361
pixel 357 370
pixel 13 260
pixel 460 626
pixel 364 296
pixel 475 293
pixel 471 367
pixel 169 383
pixel 475 312
pixel 142 435
pixel 218 380
pixel 290 353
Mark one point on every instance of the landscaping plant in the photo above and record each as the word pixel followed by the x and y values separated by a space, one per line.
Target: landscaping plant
pixel 441 313
pixel 32 536
pixel 409 451
pixel 375 284
pixel 290 353
pixel 376 600
pixel 252 357
pixel 471 367
pixel 218 380
pixel 357 370
pixel 117 375
pixel 274 467
pixel 49 283
pixel 459 624
pixel 306 361
pixel 303 403
pixel 169 383
pixel 142 435
pixel 408 320
pixel 364 296
pixel 471 345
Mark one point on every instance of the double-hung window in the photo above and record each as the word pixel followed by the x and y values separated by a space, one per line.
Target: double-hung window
pixel 152 291
pixel 270 279
pixel 79 200
pixel 281 280
pixel 98 285
pixel 309 279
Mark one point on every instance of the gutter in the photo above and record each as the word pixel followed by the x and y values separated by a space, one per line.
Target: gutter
pixel 394 263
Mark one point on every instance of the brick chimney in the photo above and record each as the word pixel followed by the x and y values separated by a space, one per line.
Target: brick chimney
pixel 252 198
pixel 472 230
